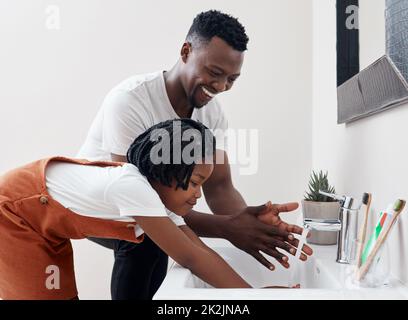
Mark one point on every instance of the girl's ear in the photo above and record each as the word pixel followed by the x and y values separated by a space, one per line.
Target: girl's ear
pixel 185 51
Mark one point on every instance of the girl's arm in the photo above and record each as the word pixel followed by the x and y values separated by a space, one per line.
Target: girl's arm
pixel 193 237
pixel 190 252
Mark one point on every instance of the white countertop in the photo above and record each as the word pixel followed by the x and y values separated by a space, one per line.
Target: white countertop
pixel 174 286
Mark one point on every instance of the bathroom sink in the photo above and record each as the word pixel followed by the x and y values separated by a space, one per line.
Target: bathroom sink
pixel 319 278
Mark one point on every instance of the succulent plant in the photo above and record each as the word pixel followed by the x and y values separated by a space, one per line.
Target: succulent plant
pixel 319 181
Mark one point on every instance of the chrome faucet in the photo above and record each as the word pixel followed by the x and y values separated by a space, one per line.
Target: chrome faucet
pixel 346 225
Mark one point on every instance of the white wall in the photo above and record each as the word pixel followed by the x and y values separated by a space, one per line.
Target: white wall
pixel 52 83
pixel 368 155
pixel 372 31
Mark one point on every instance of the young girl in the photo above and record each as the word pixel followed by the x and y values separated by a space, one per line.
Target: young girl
pixel 48 202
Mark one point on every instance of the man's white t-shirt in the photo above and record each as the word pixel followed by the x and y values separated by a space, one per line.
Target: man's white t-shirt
pixel 113 193
pixel 135 105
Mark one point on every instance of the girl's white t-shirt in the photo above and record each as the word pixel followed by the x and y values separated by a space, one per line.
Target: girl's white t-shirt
pixel 112 193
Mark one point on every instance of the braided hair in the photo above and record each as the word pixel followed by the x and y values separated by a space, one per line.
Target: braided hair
pixel 161 142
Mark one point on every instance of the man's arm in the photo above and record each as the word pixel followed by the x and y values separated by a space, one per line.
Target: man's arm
pixel 219 191
pixel 252 229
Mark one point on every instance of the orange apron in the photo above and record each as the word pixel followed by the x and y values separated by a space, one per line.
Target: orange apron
pixel 35 230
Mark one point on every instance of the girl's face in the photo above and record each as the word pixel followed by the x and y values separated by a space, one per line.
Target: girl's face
pixel 182 201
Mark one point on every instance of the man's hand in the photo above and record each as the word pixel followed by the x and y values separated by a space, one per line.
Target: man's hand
pixel 271 217
pixel 260 228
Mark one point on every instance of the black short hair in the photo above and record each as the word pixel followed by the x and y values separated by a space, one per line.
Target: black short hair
pixel 140 152
pixel 212 23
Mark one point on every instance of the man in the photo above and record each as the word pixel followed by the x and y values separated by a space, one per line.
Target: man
pixel 210 62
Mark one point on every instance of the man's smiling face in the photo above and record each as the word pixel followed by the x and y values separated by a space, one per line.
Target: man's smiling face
pixel 209 69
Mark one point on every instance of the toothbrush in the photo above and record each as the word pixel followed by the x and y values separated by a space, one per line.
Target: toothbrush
pixel 383 221
pixel 363 231
pixel 398 207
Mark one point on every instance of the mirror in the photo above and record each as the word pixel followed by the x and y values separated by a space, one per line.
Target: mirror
pixel 372 52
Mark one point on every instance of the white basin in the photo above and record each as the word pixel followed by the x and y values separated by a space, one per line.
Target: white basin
pixel 320 278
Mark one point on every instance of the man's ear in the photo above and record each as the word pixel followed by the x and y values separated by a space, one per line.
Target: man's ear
pixel 185 51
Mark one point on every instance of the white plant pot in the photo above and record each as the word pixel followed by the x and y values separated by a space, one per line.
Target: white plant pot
pixel 321 210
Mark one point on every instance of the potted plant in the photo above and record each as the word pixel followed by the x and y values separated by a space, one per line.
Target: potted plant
pixel 318 206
